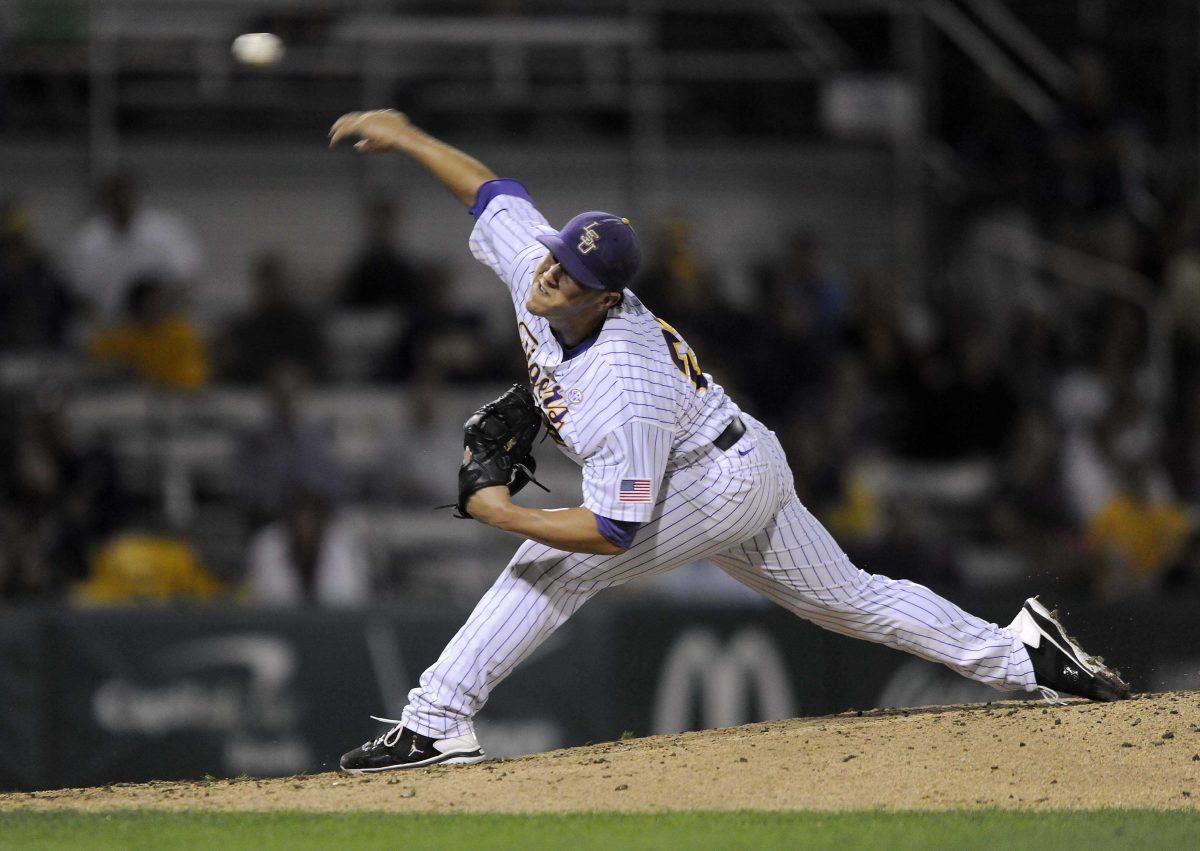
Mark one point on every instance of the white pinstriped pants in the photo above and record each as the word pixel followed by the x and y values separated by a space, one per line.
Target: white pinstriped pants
pixel 741 512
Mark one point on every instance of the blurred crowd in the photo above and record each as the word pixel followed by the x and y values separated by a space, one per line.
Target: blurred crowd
pixel 78 522
pixel 1006 426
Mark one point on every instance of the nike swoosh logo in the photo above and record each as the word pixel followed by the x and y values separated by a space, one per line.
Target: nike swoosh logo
pixel 1053 633
pixel 747 452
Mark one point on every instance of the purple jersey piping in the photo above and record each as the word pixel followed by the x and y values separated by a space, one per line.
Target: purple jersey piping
pixel 580 347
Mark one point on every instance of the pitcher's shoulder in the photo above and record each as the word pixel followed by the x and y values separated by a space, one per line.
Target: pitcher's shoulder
pixel 630 344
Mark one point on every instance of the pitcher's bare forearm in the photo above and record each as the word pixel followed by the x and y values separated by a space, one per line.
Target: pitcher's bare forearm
pixel 461 173
pixel 573 530
pixel 388 130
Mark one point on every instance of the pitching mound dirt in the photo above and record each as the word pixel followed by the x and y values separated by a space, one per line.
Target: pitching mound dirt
pixel 1139 753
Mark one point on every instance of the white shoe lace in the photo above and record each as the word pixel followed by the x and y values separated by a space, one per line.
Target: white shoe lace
pixel 1051 696
pixel 391 736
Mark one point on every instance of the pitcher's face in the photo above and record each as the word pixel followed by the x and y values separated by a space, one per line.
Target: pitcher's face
pixel 556 295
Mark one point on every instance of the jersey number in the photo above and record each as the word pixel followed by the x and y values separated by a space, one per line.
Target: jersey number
pixel 683 357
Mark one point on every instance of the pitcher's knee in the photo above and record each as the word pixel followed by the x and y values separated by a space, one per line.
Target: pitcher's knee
pixel 555 579
pixel 835 582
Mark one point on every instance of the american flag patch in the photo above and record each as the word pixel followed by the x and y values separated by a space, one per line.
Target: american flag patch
pixel 635 490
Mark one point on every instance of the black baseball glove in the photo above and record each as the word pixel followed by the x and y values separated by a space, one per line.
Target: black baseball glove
pixel 498 445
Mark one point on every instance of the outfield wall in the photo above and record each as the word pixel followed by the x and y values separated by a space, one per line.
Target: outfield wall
pixel 96 697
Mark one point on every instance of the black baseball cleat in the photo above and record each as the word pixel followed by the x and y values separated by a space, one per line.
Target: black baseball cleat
pixel 400 747
pixel 1059 663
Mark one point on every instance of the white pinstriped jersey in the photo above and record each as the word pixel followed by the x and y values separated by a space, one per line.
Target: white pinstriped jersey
pixel 630 407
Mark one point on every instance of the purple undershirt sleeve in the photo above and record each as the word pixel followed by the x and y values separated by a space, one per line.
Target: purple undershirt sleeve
pixel 500 186
pixel 619 533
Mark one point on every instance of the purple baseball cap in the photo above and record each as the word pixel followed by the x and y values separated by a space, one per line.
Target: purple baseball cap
pixel 597 249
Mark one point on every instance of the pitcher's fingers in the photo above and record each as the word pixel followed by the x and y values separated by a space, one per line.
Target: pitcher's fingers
pixel 343 127
pixel 336 136
pixel 343 120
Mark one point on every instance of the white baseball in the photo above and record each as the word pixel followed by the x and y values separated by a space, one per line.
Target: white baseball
pixel 257 48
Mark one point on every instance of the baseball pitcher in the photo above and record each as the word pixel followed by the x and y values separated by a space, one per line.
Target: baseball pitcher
pixel 673 472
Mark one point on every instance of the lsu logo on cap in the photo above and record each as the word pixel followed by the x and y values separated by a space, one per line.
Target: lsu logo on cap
pixel 588 239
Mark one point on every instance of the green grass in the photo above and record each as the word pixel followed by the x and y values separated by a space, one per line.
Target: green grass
pixel 987 829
